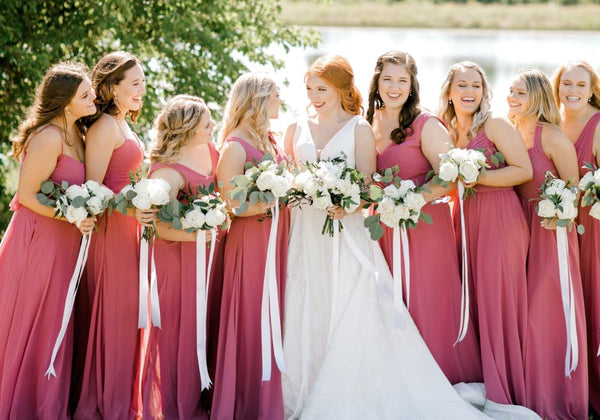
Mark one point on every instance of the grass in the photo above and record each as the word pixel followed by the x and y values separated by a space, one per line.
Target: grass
pixel 426 14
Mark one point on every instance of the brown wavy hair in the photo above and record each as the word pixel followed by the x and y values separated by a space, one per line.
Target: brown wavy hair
pixel 109 72
pixel 176 126
pixel 336 71
pixel 57 89
pixel 410 109
pixel 594 81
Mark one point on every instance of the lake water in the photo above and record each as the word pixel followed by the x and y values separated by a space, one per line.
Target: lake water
pixel 500 53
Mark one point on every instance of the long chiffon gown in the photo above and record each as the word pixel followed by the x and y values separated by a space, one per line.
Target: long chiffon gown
pixel 435 288
pixel 107 305
pixel 37 258
pixel 497 242
pixel 548 391
pixel 239 392
pixel 589 251
pixel 369 369
pixel 172 388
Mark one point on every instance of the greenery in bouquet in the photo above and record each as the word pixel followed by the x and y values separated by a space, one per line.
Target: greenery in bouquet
pixel 558 202
pixel 590 189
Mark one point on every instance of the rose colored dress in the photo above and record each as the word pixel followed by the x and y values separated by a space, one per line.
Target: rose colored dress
pixel 497 242
pixel 589 252
pixel 172 388
pixel 435 284
pixel 239 392
pixel 107 304
pixel 37 258
pixel 548 391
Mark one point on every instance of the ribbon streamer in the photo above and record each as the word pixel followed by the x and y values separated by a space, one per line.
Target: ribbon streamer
pixel 269 313
pixel 143 288
pixel 202 286
pixel 70 300
pixel 464 304
pixel 568 300
pixel 401 254
pixel 335 266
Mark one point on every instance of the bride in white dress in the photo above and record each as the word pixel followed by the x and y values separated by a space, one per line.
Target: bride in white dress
pixel 345 357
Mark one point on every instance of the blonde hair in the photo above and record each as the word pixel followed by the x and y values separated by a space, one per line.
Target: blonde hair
pixel 446 110
pixel 248 103
pixel 176 126
pixel 336 71
pixel 540 102
pixel 594 81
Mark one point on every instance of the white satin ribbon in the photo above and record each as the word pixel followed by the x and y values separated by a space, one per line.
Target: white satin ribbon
pixel 202 286
pixel 464 304
pixel 70 300
pixel 269 313
pixel 568 300
pixel 401 253
pixel 335 267
pixel 143 287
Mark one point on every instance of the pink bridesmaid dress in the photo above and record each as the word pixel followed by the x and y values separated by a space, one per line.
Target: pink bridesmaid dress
pixel 37 258
pixel 172 388
pixel 589 252
pixel 548 391
pixel 239 392
pixel 497 242
pixel 435 284
pixel 107 306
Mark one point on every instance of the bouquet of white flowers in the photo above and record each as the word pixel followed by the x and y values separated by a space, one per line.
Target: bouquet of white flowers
pixel 590 187
pixel 327 183
pixel 75 202
pixel 558 202
pixel 265 181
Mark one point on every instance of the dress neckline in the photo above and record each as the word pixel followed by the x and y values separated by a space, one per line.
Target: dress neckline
pixel 312 141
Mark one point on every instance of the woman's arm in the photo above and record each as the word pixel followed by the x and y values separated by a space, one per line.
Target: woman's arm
pixel 364 149
pixel 435 140
pixel 288 141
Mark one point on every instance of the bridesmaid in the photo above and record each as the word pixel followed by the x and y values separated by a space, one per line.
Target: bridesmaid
pixel 577 89
pixel 239 392
pixel 39 252
pixel 184 156
pixel 496 230
pixel 108 300
pixel 549 392
pixel 412 138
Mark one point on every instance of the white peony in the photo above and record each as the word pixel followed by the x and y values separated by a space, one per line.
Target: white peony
pixel 587 178
pixel 596 177
pixel 405 186
pixel 94 205
pixel 265 180
pixel 402 212
pixel 546 209
pixel 141 188
pixel 329 180
pixel 193 219
pixel 280 186
pixel 76 215
pixel 459 155
pixel 391 191
pixel 76 191
pixel 567 195
pixel 469 171
pixel 448 171
pixel 569 211
pixel 390 220
pixel 552 190
pixel 414 201
pixel 595 211
pixel 215 217
pixel 311 186
pixel 141 202
pixel 301 179
pixel 476 156
pixel 323 202
pixel 158 192
pixel 386 206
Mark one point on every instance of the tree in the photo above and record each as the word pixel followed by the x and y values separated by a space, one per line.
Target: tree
pixel 187 46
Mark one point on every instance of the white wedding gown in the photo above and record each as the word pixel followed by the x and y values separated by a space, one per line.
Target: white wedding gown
pixel 371 368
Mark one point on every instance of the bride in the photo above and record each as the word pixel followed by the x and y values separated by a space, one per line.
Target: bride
pixel 345 357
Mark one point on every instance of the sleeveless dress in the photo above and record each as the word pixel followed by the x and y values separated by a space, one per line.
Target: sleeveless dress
pixel 497 242
pixel 548 391
pixel 589 252
pixel 172 388
pixel 37 258
pixel 239 392
pixel 435 283
pixel 107 305
pixel 369 369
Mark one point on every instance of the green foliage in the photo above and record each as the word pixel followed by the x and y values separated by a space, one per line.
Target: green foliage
pixel 187 46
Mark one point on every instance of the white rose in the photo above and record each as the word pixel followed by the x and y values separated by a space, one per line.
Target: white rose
pixel 448 171
pixel 329 181
pixel 402 212
pixel 76 191
pixel 595 211
pixel 141 202
pixel 194 219
pixel 458 155
pixel 390 220
pixel 469 171
pixel 567 195
pixel 596 177
pixel 76 215
pixel 323 202
pixel 311 186
pixel 215 217
pixel 552 190
pixel 476 156
pixel 405 186
pixel 94 205
pixel 281 186
pixel 158 192
pixel 386 206
pixel 265 180
pixel 569 211
pixel 546 209
pixel 392 192
pixel 141 188
pixel 414 201
pixel 301 179
pixel 587 178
